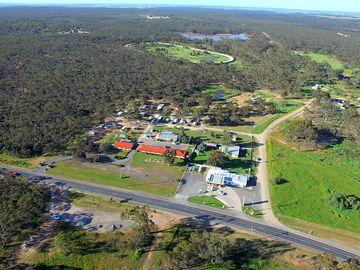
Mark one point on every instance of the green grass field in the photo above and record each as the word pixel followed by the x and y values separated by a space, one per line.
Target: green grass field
pixel 264 95
pixel 112 137
pixel 110 177
pixel 188 53
pixel 80 249
pixel 207 200
pixel 216 89
pixel 333 62
pixel 323 58
pixel 140 162
pixel 310 175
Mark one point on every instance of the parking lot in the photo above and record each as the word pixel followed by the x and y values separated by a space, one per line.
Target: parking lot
pixel 192 183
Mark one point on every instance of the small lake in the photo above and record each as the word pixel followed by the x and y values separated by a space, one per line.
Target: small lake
pixel 216 37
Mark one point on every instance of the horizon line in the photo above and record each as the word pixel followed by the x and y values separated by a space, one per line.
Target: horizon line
pixel 151 6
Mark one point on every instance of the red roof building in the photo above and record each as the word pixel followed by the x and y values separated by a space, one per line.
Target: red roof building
pixel 124 145
pixel 151 149
pixel 156 150
pixel 181 154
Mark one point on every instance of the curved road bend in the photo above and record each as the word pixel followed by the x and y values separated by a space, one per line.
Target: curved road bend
pixel 207 214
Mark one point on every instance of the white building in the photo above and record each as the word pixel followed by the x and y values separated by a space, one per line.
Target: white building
pixel 160 107
pixel 167 136
pixel 218 176
pixel 233 151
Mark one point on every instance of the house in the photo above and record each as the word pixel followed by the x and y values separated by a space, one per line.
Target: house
pixel 182 154
pixel 218 176
pixel 124 145
pixel 342 104
pixel 157 150
pixel 160 107
pixel 211 145
pixel 167 136
pixel 233 151
pixel 317 86
pixel 92 132
pixel 254 100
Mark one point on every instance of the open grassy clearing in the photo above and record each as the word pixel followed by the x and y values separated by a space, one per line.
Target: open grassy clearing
pixel 28 163
pixel 220 92
pixel 142 160
pixel 109 175
pixel 341 89
pixel 183 52
pixel 309 176
pixel 333 62
pixel 117 135
pixel 207 200
pixel 86 250
pixel 323 58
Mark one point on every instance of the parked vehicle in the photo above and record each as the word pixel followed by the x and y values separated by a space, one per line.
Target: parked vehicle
pixel 55 216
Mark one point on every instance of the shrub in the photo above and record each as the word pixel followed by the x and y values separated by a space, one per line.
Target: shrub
pixel 343 201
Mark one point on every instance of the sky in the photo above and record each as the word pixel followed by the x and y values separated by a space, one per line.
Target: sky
pixel 327 5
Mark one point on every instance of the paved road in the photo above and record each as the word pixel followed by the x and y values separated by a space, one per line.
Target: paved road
pixel 222 216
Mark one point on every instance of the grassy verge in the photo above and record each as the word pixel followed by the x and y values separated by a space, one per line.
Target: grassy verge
pixel 109 176
pixel 282 110
pixel 309 176
pixel 258 129
pixel 207 200
pixel 98 202
pixel 251 211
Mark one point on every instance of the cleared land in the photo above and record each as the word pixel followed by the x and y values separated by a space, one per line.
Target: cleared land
pixel 189 54
pixel 309 176
pixel 28 163
pixel 323 58
pixel 150 176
